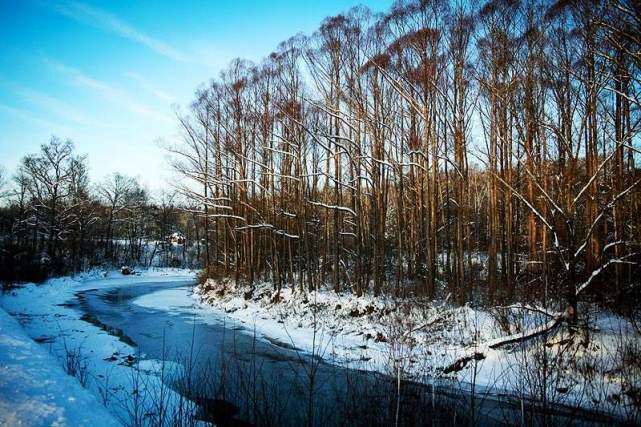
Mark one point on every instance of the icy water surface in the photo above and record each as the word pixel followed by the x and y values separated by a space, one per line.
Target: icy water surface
pixel 240 378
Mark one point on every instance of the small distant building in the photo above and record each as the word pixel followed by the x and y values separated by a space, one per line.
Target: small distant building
pixel 176 238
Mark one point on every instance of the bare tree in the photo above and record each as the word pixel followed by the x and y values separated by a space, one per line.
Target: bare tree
pixel 51 176
pixel 115 191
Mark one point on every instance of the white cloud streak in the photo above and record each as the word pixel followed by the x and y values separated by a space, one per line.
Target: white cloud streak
pixel 108 92
pixel 28 116
pixel 106 21
pixel 55 106
pixel 149 87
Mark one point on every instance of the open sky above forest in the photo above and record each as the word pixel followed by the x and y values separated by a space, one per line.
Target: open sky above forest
pixel 109 75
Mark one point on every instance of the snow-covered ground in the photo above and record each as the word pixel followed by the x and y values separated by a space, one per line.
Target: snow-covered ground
pixel 106 366
pixel 36 391
pixel 596 368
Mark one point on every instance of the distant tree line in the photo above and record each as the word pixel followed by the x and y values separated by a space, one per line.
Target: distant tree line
pixel 54 221
pixel 443 147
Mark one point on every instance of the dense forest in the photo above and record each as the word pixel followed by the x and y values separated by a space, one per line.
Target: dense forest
pixel 487 153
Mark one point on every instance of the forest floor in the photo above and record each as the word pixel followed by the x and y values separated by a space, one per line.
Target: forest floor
pixel 596 366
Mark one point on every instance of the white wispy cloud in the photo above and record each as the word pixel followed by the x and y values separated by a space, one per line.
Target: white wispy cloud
pixel 56 107
pixel 203 53
pixel 149 87
pixel 30 117
pixel 108 92
pixel 104 20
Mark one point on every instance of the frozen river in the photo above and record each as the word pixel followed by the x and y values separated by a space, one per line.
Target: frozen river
pixel 238 376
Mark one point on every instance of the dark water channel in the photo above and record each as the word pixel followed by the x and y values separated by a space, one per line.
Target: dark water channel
pixel 238 378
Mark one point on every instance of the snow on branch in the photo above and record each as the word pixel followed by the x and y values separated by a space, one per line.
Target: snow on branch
pixel 595 273
pixel 340 208
pixel 269 227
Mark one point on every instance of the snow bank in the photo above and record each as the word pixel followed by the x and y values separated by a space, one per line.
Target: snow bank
pixel 372 333
pixel 34 389
pixel 111 366
pixel 428 340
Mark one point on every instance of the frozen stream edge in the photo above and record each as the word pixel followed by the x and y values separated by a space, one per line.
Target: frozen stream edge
pixel 46 310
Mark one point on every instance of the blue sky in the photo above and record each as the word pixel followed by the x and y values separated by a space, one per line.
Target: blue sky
pixel 106 73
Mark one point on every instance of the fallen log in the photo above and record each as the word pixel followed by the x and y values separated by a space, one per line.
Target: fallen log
pixel 479 352
pixel 525 335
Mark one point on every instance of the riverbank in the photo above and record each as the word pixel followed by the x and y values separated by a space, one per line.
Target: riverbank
pixel 105 368
pixel 34 388
pixel 594 367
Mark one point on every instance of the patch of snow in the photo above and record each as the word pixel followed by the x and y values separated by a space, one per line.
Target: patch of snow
pixel 420 339
pixel 35 390
pixel 116 371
